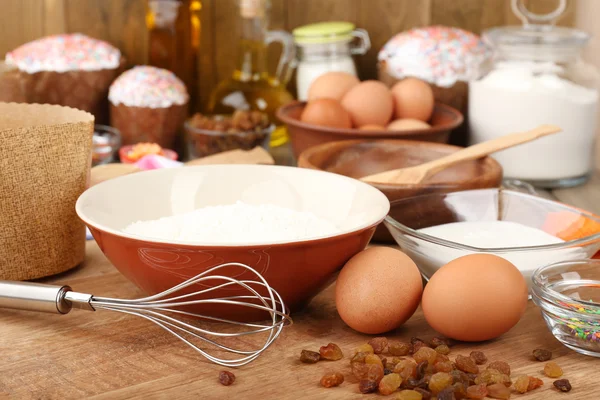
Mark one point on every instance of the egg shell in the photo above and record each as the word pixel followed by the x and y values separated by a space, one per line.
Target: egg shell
pixel 474 298
pixel 372 128
pixel 413 98
pixel 326 112
pixel 369 103
pixel 407 124
pixel 378 290
pixel 332 85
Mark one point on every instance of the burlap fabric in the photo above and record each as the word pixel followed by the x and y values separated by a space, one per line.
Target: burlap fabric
pixel 84 90
pixel 45 161
pixel 153 125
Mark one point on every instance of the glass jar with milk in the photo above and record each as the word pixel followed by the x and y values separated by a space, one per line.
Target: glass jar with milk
pixel 325 47
pixel 537 76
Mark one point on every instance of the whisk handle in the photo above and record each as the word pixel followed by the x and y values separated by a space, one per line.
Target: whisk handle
pixel 34 297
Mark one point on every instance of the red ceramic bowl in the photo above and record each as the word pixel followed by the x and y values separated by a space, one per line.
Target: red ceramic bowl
pixel 297 270
pixel 304 136
pixel 123 151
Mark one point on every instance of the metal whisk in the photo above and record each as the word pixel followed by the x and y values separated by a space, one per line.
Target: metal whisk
pixel 163 309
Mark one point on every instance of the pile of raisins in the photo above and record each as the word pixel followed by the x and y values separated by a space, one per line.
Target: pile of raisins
pixel 384 367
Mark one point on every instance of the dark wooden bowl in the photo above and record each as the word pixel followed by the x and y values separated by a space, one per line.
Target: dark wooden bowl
pixel 303 135
pixel 358 158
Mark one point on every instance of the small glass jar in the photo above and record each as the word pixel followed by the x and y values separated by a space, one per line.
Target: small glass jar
pixel 326 47
pixel 537 76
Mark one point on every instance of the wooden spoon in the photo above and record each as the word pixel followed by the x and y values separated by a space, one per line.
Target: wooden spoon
pixel 418 173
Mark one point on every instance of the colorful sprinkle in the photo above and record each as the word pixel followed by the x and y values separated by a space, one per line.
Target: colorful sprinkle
pixel 145 86
pixel 62 53
pixel 436 54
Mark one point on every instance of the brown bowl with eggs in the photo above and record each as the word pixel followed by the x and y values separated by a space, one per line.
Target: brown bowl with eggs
pixel 340 107
pixel 359 158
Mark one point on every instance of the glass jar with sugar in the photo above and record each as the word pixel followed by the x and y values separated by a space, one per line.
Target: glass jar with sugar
pixel 537 76
pixel 326 47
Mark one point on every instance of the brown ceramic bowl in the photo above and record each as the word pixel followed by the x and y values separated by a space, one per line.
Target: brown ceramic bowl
pixel 298 270
pixel 303 136
pixel 358 158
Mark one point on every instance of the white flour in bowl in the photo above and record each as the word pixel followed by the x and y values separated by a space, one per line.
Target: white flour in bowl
pixel 235 224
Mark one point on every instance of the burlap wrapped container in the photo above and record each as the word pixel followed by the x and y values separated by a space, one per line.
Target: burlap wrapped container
pixel 45 161
pixel 84 90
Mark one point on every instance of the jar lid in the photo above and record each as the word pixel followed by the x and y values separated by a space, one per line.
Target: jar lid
pixel 536 36
pixel 323 32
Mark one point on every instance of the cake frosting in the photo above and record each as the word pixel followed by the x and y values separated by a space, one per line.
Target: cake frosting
pixel 437 54
pixel 65 52
pixel 145 86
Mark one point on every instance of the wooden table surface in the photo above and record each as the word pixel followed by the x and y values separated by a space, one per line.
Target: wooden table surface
pixel 105 355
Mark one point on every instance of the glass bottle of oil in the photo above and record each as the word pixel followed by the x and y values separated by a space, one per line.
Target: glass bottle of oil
pixel 174 39
pixel 250 87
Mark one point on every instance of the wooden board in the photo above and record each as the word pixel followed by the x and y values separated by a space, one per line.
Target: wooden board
pixel 105 355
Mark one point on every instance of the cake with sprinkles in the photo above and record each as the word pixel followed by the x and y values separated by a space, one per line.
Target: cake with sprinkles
pixel 73 70
pixel 148 104
pixel 448 58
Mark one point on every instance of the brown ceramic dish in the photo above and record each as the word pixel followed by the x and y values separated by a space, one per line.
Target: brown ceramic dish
pixel 358 158
pixel 303 136
pixel 298 270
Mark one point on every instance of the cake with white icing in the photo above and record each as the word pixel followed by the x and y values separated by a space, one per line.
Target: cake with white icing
pixel 148 104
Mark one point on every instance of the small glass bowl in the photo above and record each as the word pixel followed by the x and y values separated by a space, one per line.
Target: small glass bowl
pixel 430 253
pixel 568 293
pixel 105 143
pixel 204 142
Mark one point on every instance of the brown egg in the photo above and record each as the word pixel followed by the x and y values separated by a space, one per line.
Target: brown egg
pixel 372 127
pixel 378 290
pixel 326 112
pixel 369 103
pixel 475 297
pixel 413 98
pixel 332 85
pixel 407 124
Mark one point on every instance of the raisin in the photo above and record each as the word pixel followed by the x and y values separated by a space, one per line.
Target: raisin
pixel 422 369
pixel 439 381
pixel 534 383
pixel 379 345
pixel 359 357
pixel 522 384
pixel 409 395
pixel 331 352
pixel 441 357
pixel 399 348
pixel 498 391
pixel 372 372
pixel 416 344
pixel 373 359
pixel 226 378
pixel 552 370
pixel 367 386
pixel 500 366
pixel 391 363
pixel 387 371
pixel 443 349
pixel 331 380
pixel 424 392
pixel 460 391
pixel 563 385
pixel 477 392
pixel 309 357
pixel 443 366
pixel 364 348
pixel 471 378
pixel 446 394
pixel 425 354
pixel 491 376
pixel 466 364
pixel 439 341
pixel 406 369
pixel 389 384
pixel 460 377
pixel 542 355
pixel 413 383
pixel 478 357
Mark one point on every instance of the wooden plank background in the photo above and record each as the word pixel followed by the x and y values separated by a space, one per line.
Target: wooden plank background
pixel 122 23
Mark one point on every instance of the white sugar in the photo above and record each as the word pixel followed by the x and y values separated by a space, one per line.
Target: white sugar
pixel 238 223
